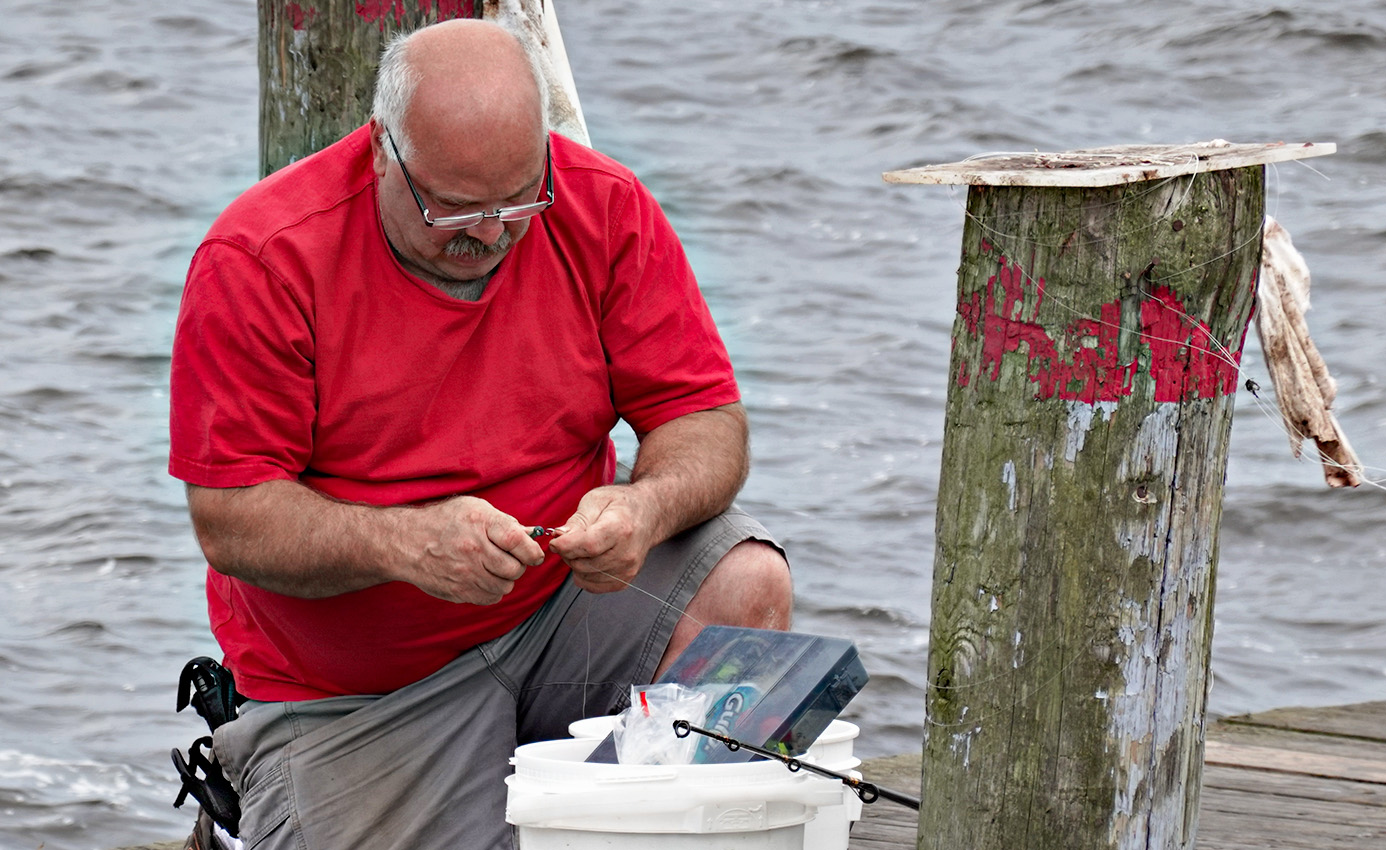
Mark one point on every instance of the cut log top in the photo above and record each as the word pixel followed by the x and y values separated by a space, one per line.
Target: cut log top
pixel 1106 166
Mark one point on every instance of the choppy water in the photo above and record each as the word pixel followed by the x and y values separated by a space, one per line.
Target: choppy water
pixel 764 128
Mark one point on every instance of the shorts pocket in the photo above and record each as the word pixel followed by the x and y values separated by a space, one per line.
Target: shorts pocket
pixel 264 808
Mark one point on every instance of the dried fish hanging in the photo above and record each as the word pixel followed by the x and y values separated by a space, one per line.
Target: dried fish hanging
pixel 1304 391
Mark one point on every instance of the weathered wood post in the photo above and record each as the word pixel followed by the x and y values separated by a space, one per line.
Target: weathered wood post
pixel 1103 299
pixel 318 60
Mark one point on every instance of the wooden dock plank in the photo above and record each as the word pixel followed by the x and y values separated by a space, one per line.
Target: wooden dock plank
pixel 1290 761
pixel 1217 778
pixel 1289 779
pixel 1325 744
pixel 1261 828
pixel 883 833
pixel 1365 721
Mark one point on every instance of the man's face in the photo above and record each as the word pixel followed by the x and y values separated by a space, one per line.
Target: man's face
pixel 448 190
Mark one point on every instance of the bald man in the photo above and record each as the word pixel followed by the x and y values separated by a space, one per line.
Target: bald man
pixel 396 360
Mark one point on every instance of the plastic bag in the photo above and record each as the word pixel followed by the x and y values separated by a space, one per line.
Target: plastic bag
pixel 644 732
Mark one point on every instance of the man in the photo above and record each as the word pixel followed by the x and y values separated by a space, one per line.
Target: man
pixel 394 359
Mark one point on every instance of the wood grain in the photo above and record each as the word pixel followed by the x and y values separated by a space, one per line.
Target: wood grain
pixel 1289 779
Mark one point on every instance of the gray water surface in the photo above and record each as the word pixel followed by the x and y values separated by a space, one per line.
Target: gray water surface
pixel 764 129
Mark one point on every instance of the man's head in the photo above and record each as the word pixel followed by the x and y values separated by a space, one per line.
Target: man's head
pixel 463 103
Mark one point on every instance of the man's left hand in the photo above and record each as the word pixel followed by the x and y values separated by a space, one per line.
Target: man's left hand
pixel 605 542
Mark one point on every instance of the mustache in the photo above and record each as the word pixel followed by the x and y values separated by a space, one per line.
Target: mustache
pixel 470 248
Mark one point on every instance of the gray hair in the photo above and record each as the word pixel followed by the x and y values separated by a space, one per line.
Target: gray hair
pixel 396 80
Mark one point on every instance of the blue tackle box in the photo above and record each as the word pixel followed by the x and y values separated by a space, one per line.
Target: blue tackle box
pixel 776 690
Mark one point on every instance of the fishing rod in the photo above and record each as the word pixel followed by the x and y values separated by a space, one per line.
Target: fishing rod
pixel 868 792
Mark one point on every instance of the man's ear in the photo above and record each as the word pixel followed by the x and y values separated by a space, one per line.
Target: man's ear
pixel 380 160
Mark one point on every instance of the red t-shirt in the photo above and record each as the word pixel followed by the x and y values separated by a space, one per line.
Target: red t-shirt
pixel 305 351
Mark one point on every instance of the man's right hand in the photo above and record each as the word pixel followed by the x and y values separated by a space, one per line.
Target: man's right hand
pixel 286 538
pixel 468 551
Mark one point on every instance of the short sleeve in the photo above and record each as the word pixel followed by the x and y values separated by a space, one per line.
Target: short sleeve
pixel 666 356
pixel 242 397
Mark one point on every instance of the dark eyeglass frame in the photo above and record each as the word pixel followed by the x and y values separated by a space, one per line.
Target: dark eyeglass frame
pixel 463 222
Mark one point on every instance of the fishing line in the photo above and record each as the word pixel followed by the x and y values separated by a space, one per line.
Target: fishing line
pixel 1118 204
pixel 539 531
pixel 999 235
pixel 1214 346
pixel 1019 703
pixel 1072 239
pixel 1155 186
pixel 1305 164
pixel 1005 674
pixel 1220 350
pixel 683 612
pixel 587 672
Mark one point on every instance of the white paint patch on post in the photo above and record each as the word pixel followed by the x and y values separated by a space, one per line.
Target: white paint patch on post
pixel 1159 642
pixel 1156 444
pixel 962 744
pixel 535 23
pixel 574 125
pixel 1132 729
pixel 1080 416
pixel 1008 478
pixel 1133 726
pixel 1079 423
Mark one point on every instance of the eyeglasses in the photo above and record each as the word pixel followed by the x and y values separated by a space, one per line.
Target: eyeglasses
pixel 462 222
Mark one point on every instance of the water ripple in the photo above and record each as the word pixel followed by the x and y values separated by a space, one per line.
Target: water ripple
pixel 764 130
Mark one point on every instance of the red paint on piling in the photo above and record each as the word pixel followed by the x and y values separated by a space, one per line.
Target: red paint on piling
pixel 377 11
pixel 449 9
pixel 1185 361
pixel 300 17
pixel 1084 364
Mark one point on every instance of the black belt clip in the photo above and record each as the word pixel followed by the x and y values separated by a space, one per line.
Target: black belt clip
pixel 212 789
pixel 210 689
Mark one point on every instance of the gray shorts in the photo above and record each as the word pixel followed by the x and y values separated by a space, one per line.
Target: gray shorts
pixel 424 767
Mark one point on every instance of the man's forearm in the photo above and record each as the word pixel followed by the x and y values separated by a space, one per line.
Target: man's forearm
pixel 690 468
pixel 285 537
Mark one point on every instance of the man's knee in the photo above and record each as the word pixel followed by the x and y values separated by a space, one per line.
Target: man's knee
pixel 750 586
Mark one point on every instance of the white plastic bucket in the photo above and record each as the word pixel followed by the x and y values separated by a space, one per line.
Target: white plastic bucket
pixel 557 800
pixel 833 750
pixel 592 727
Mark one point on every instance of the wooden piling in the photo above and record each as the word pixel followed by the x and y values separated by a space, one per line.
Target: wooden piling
pixel 1288 779
pixel 318 62
pixel 1103 298
pixel 317 67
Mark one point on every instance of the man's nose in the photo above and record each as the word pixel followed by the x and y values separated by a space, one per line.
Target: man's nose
pixel 488 231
